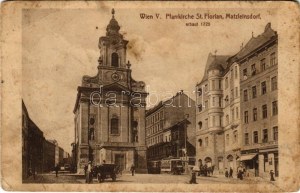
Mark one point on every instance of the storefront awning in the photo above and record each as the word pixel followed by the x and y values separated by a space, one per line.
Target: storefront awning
pixel 247 157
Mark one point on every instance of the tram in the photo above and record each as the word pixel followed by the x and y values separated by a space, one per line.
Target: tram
pixel 153 167
pixel 172 165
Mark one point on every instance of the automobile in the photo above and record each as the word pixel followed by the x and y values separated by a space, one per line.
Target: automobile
pixel 106 171
pixel 67 167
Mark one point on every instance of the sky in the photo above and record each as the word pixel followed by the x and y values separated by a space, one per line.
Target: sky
pixel 61 45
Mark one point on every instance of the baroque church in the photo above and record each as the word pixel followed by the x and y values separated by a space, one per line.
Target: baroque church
pixel 110 109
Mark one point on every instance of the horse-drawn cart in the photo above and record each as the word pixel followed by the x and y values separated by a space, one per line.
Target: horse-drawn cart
pixel 106 171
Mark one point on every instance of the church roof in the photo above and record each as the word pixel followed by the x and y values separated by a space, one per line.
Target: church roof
pixel 113 26
pixel 256 42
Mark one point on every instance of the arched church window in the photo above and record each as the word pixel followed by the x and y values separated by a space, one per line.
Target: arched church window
pixel 114 123
pixel 92 134
pixel 115 60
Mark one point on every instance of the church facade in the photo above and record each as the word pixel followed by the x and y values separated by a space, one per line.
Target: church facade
pixel 110 109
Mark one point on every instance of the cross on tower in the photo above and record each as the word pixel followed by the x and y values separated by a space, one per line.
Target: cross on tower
pixel 113 12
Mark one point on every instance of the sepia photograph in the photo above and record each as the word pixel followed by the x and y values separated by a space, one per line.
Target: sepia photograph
pixel 118 94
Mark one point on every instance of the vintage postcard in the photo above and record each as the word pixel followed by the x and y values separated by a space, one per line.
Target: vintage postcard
pixel 150 96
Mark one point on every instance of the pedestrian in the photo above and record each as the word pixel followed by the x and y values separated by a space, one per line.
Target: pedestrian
pixel 56 170
pixel 240 173
pixel 89 171
pixel 212 169
pixel 85 173
pixel 132 169
pixel 193 177
pixel 230 172
pixel 272 175
pixel 34 173
pixel 226 173
pixel 29 172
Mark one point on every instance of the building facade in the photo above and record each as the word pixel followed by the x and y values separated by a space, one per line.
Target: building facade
pixel 170 128
pixel 49 156
pixel 237 108
pixel 32 145
pixel 218 113
pixel 259 103
pixel 25 149
pixel 110 109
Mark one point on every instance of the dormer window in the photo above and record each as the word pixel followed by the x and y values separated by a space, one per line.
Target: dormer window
pixel 115 60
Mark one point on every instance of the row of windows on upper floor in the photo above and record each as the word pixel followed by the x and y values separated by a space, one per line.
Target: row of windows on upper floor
pixel 264 137
pixel 159 139
pixel 263 90
pixel 227 140
pixel 263 66
pixel 175 135
pixel 217 84
pixel 234 93
pixel 234 116
pixel 255 138
pixel 155 128
pixel 114 128
pixel 154 117
pixel 264 112
pixel 217 101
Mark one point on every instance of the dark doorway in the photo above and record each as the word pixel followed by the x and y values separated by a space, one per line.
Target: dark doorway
pixel 120 161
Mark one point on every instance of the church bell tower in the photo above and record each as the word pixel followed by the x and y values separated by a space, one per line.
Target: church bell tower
pixel 110 109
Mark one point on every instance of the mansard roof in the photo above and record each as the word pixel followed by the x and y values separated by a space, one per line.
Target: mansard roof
pixel 215 62
pixel 256 42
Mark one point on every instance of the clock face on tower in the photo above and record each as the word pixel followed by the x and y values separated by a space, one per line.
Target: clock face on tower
pixel 115 77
